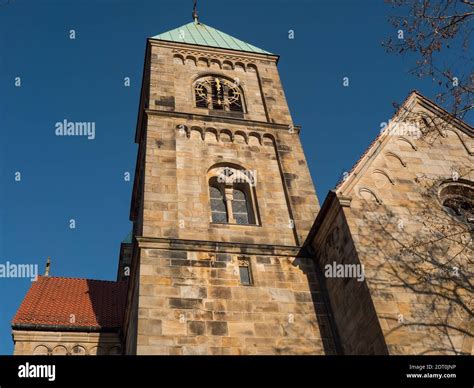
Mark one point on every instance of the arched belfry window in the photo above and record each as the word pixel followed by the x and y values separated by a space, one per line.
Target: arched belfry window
pixel 232 196
pixel 218 93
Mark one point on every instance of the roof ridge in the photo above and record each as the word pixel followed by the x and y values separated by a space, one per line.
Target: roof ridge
pixel 439 107
pixel 73 278
pixel 378 138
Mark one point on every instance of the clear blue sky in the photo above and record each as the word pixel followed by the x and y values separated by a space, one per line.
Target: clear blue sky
pixel 65 178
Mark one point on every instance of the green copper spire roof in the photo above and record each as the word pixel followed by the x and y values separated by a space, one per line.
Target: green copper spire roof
pixel 202 35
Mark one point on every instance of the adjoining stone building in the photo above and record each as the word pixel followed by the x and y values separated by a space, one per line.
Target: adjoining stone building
pixel 229 248
pixel 405 213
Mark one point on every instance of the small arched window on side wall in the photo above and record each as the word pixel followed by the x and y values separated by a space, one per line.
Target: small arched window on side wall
pixel 217 93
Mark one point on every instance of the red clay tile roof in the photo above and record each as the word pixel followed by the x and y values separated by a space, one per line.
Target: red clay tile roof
pixel 92 305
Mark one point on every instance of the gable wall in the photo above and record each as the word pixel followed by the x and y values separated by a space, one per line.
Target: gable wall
pixel 413 294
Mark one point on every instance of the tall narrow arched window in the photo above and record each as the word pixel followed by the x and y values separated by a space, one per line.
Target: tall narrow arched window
pixel 218 206
pixel 218 93
pixel 240 207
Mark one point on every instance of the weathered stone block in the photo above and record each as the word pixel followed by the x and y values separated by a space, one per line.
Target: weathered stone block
pixel 217 328
pixel 184 303
pixel 196 328
pixel 220 292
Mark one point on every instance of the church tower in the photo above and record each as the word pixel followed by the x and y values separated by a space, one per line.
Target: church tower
pixel 222 202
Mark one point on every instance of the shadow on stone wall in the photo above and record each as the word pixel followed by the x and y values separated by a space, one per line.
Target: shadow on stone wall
pixel 319 298
pixel 422 263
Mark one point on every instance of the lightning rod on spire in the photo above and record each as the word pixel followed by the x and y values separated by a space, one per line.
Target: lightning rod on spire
pixel 195 14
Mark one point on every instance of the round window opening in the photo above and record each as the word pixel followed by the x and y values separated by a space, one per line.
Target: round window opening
pixel 457 199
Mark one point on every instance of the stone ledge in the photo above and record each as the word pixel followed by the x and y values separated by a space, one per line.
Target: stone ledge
pixel 218 247
pixel 220 119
